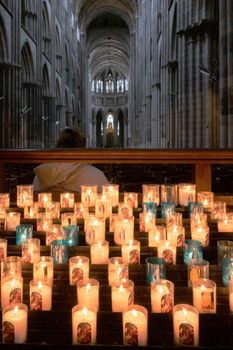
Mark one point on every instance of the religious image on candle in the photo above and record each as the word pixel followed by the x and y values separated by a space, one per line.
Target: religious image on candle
pixel 88 293
pixel 14 323
pixel 135 325
pixel 78 269
pixel 84 325
pixel 204 295
pixel 186 325
pixel 122 294
pixel 11 290
pixel 40 295
pixel 162 296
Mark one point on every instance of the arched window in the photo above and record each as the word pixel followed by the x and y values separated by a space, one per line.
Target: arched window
pixel 110 123
pixel 46 83
pixel 58 50
pixel 120 85
pixel 109 80
pixel 93 86
pixel 46 30
pixel 126 85
pixel 100 85
pixel 3 43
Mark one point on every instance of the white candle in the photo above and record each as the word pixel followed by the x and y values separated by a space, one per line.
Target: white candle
pixel 167 252
pixel 88 293
pixel 113 191
pixel 225 224
pixel 12 220
pixel 44 199
pixel 78 269
pixel 84 322
pixel 135 326
pixel 100 252
pixel 103 206
pixel 95 230
pixel 67 200
pixel 31 250
pixel 14 324
pixel 204 295
pixel 88 195
pixel 11 290
pixel 122 294
pixel 3 249
pixel 131 253
pixel 187 193
pixel 150 193
pixel 31 212
pixel 176 235
pixel 186 325
pixel 40 295
pixel 162 296
pixel 123 230
pixel 125 211
pixel 155 234
pixel 146 220
pixel 43 269
pixel 116 270
pixel 131 199
pixel 201 234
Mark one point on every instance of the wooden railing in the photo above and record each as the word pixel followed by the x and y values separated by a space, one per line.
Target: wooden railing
pixel 201 159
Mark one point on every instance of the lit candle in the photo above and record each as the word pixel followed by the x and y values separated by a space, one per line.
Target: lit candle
pixel 12 220
pixel 3 249
pixel 162 296
pixel 146 220
pixel 150 193
pixel 204 295
pixel 78 269
pixel 43 223
pixel 23 232
pixel 116 270
pixel 123 230
pixel 31 212
pixel 11 290
pixel 88 293
pixel 40 295
pixel 100 252
pixel 4 200
pixel 218 209
pixel 231 293
pixel 186 325
pixel 176 235
pixel 103 206
pixel 95 230
pixel 131 199
pixel 31 250
pixel 131 253
pixel 225 223
pixel 155 234
pixel 80 210
pixel 67 200
pixel 14 324
pixel 59 251
pixel 125 211
pixel 122 294
pixel 52 210
pixel 135 325
pixel 44 199
pixel 11 266
pixel 71 234
pixel 167 252
pixel 88 195
pixel 187 193
pixel 201 234
pixel 53 232
pixel 43 269
pixel 113 191
pixel 84 322
pixel 68 219
pixel 206 198
pixel 24 195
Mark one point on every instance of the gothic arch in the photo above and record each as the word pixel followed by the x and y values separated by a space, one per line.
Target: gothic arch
pixel 45 21
pixel 58 92
pixel 46 81
pixel 27 63
pixel 3 43
pixel 58 40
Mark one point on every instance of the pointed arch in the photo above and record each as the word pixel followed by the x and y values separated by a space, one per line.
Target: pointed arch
pixel 46 81
pixel 27 64
pixel 3 43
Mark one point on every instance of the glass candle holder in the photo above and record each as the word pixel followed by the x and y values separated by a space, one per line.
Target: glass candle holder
pixel 116 270
pixel 12 220
pixel 14 323
pixel 4 200
pixel 145 221
pixel 103 206
pixel 123 230
pixel 40 295
pixel 71 234
pixel 150 193
pixel 54 232
pixel 162 296
pixel 131 253
pixel 149 207
pixel 31 250
pixel 88 293
pixel 217 210
pixel 225 250
pixel 24 195
pixel 155 269
pixel 131 199
pixel 193 251
pixel 225 223
pixel 2 218
pixel 23 233
pixel 176 235
pixel 169 194
pixel 206 198
pixel 231 293
pixel 31 212
pixel 186 193
pixel 155 234
pixel 68 219
pixel 59 251
pixel 43 269
pixel 95 230
pixel 67 200
pixel 201 234
pixel 11 290
pixel 42 222
pixel 11 266
pixel 88 195
pixel 112 190
pixel 3 249
pixel 100 252
pixel 167 252
pixel 52 210
pixel 227 270
pixel 78 269
pixel 80 210
pixel 174 219
pixel 125 211
pixel 167 209
pixel 185 325
pixel 122 294
pixel 198 220
pixel 84 325
pixel 135 325
pixel 196 270
pixel 44 199
pixel 204 295
pixel 195 207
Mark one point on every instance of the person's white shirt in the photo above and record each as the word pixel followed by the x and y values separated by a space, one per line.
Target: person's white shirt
pixel 67 177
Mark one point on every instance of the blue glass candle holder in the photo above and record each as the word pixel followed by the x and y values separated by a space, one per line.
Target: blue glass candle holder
pixel 23 233
pixel 167 208
pixel 149 207
pixel 155 269
pixel 195 207
pixel 59 251
pixel 227 270
pixel 71 234
pixel 193 251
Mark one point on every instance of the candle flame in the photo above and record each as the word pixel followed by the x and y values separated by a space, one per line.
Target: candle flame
pixel 84 312
pixel 131 243
pixel 184 311
pixel 156 238
pixel 99 245
pixel 88 287
pixel 39 284
pixel 13 283
pixel 134 313
pixel 121 288
pixel 16 309
pixel 161 290
pixel 79 261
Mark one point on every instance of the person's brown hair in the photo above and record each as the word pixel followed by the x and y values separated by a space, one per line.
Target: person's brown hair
pixel 71 138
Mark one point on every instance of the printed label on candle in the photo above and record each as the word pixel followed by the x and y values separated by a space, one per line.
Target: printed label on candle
pixel 15 296
pixel 131 334
pixel 166 303
pixel 77 275
pixel 123 273
pixel 84 333
pixel 27 254
pixel 193 276
pixel 186 334
pixel 168 256
pixel 1 253
pixel 207 301
pixel 36 301
pixel 134 257
pixel 8 332
pixel 180 240
pixel 124 213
